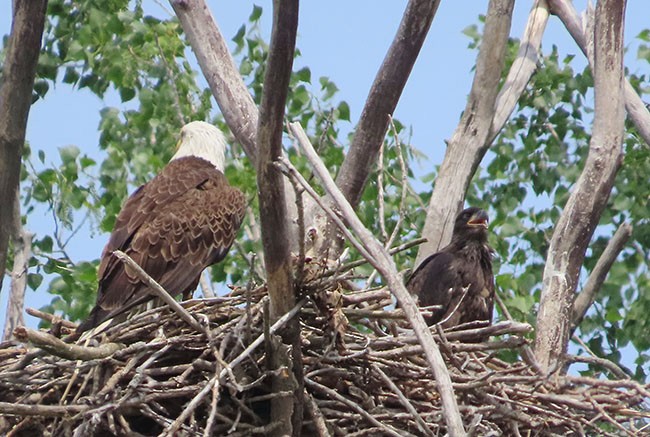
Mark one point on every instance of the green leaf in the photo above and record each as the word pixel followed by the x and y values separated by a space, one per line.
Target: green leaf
pixel 304 74
pixel 69 153
pixel 34 280
pixel 344 111
pixel 256 14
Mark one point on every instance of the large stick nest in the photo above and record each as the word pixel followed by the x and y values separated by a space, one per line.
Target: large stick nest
pixel 364 374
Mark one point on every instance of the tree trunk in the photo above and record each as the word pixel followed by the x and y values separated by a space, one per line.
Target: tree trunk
pixel 15 100
pixel 275 222
pixel 589 197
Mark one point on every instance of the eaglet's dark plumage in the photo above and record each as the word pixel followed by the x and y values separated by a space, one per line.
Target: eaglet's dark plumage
pixel 174 226
pixel 459 278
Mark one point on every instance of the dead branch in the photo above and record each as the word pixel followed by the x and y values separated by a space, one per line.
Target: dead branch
pixel 18 74
pixel 636 108
pixel 274 218
pixel 58 347
pixel 589 196
pixel 41 410
pixel 51 318
pixel 381 261
pixel 521 69
pixel 22 245
pixel 219 69
pixel 159 291
pixel 585 299
pixel 382 99
pixel 469 143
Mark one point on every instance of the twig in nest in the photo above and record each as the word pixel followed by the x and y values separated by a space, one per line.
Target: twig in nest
pixel 332 394
pixel 57 347
pixel 404 400
pixel 52 318
pixel 159 291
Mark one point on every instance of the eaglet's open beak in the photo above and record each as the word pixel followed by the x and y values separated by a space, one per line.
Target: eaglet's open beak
pixel 480 218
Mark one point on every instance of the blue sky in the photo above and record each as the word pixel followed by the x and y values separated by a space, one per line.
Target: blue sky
pixel 344 40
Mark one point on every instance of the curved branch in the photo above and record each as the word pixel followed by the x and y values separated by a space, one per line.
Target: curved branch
pixel 636 109
pixel 587 296
pixel 589 197
pixel 470 140
pixel 522 68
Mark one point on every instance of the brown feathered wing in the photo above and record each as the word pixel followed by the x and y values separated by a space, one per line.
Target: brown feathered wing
pixel 176 225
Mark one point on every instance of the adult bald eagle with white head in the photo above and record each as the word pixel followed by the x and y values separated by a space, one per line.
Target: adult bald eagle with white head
pixel 184 220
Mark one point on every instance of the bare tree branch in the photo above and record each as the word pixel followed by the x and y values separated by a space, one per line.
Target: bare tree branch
pixel 383 97
pixel 636 109
pixel 587 296
pixel 218 67
pixel 469 142
pixel 521 69
pixel 589 197
pixel 60 348
pixel 382 100
pixel 270 181
pixel 382 261
pixel 15 100
pixel 274 220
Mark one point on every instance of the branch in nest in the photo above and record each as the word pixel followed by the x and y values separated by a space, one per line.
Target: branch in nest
pixel 58 347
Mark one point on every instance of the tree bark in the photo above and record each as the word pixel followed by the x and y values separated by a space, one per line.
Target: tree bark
pixel 589 197
pixel 22 242
pixel 522 68
pixel 636 108
pixel 15 100
pixel 470 140
pixel 274 221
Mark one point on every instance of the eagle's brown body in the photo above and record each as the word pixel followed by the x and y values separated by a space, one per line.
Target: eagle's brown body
pixel 459 278
pixel 174 226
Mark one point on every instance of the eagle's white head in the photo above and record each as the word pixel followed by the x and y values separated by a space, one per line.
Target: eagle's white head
pixel 202 140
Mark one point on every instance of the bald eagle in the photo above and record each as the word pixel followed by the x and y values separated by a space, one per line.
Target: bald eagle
pixel 182 221
pixel 458 280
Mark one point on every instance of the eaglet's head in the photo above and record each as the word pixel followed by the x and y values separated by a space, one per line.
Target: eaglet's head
pixel 471 223
pixel 202 140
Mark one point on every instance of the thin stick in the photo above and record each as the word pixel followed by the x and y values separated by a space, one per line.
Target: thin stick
pixel 404 400
pixel 381 261
pixel 159 291
pixel 334 395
